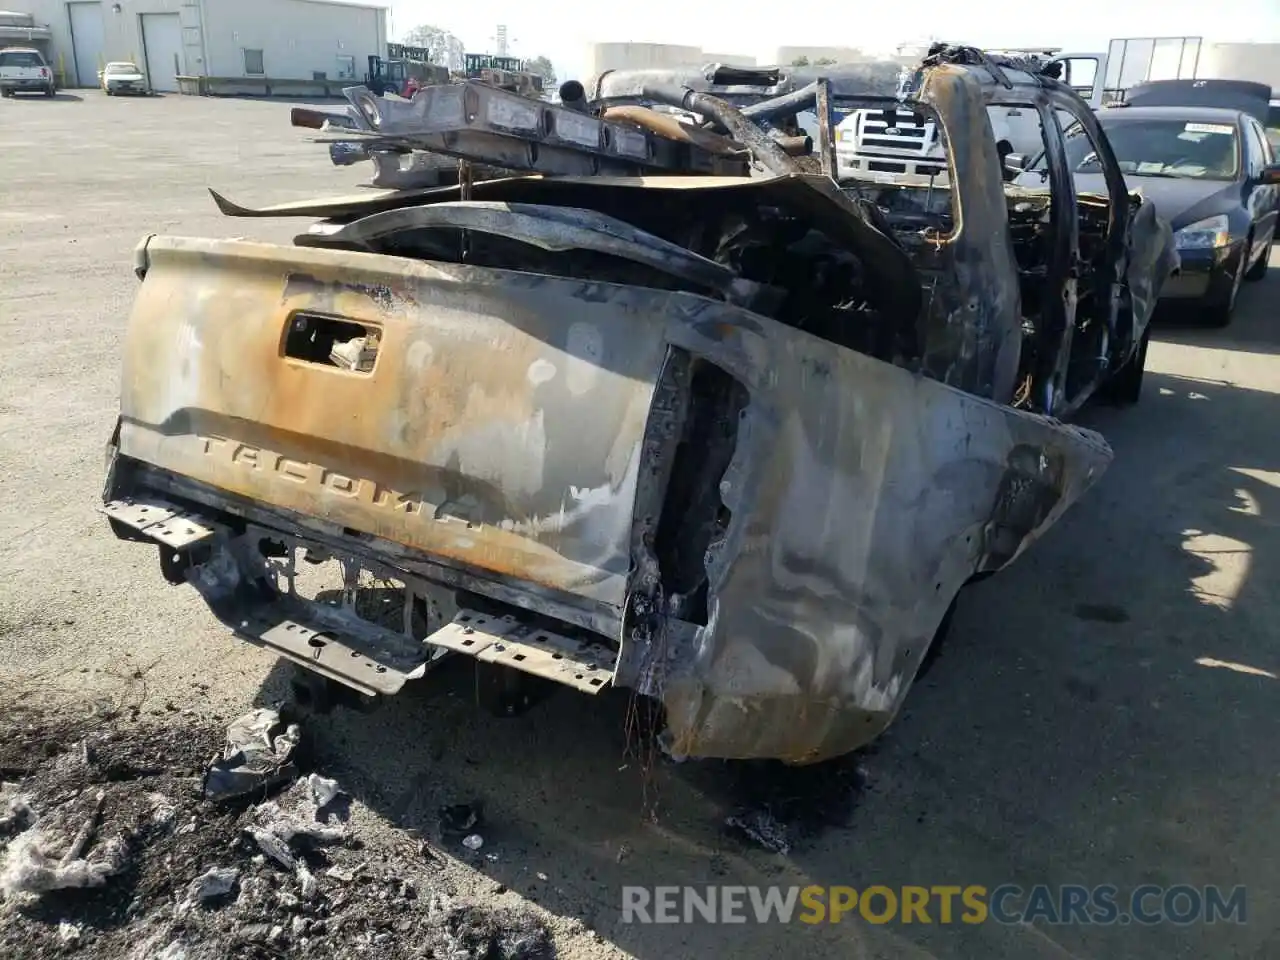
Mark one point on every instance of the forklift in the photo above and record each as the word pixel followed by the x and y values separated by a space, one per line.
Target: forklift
pixel 402 76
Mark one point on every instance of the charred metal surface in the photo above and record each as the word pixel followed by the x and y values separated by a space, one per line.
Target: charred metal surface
pixel 973 335
pixel 892 283
pixel 462 442
pixel 766 151
pixel 553 228
pixel 852 501
pixel 873 79
pixel 732 442
pixel 476 121
pixel 826 130
pixel 862 497
pixel 1059 303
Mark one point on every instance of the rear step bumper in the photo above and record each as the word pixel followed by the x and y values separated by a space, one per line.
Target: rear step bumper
pixel 334 641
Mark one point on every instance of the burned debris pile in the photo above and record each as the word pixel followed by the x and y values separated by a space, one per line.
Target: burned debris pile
pixel 113 845
pixel 770 230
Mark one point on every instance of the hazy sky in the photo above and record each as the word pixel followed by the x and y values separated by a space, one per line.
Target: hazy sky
pixel 723 27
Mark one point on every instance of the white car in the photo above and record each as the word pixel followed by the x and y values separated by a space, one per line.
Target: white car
pixel 122 76
pixel 23 69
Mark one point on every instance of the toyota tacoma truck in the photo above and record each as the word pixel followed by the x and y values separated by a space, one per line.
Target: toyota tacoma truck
pixel 637 401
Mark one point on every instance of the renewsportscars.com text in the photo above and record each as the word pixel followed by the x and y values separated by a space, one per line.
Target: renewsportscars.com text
pixel 945 904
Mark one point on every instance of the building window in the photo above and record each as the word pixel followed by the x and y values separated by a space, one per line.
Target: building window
pixel 346 68
pixel 253 63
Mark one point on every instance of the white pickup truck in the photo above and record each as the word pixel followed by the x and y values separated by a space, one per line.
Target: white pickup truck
pixel 24 69
pixel 899 142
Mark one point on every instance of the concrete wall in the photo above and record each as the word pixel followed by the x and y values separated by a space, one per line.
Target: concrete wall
pixel 729 59
pixel 643 56
pixel 296 37
pixel 785 55
pixel 640 56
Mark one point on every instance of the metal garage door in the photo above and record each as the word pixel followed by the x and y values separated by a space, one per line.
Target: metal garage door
pixel 162 42
pixel 86 41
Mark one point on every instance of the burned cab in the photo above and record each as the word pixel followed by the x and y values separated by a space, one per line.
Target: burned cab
pixel 630 391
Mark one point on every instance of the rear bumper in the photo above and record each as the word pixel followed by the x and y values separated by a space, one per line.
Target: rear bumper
pixel 25 84
pixel 759 528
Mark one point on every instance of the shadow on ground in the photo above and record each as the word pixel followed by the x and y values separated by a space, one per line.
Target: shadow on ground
pixel 1103 712
pixel 59 97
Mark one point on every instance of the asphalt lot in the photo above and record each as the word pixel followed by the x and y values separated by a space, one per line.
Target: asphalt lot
pixel 1105 712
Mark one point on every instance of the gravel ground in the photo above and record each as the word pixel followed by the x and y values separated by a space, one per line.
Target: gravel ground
pixel 1088 722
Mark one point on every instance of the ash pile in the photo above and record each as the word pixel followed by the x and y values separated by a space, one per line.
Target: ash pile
pixel 125 842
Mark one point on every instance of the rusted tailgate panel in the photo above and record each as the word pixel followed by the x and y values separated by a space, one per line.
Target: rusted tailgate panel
pixel 500 427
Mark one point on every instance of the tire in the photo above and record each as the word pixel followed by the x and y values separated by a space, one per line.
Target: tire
pixel 1219 310
pixel 1124 389
pixel 50 91
pixel 1259 269
pixel 6 93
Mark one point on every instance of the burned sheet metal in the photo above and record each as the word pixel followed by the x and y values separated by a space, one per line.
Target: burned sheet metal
pixel 257 758
pixel 733 442
pixel 475 121
pixel 469 444
pixel 880 495
pixel 860 496
pixel 552 228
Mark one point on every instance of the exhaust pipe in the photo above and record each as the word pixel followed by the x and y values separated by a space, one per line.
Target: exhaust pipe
pixel 573 96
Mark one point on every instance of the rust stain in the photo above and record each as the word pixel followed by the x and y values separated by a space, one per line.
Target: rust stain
pixel 378 452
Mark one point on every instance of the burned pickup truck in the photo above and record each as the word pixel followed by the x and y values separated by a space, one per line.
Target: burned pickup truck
pixel 645 398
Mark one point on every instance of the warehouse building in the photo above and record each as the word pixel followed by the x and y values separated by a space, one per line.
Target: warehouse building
pixel 249 40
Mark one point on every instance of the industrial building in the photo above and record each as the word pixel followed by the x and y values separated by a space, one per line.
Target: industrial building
pixel 171 40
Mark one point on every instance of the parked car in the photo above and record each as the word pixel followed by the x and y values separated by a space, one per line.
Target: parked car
pixel 1211 173
pixel 25 70
pixel 683 414
pixel 122 76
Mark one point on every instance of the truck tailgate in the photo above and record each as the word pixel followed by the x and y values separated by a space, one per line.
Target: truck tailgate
pixel 499 428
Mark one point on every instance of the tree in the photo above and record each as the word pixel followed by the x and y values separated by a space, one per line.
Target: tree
pixel 800 62
pixel 543 68
pixel 443 47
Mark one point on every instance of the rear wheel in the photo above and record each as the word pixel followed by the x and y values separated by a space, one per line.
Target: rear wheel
pixel 6 93
pixel 49 91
